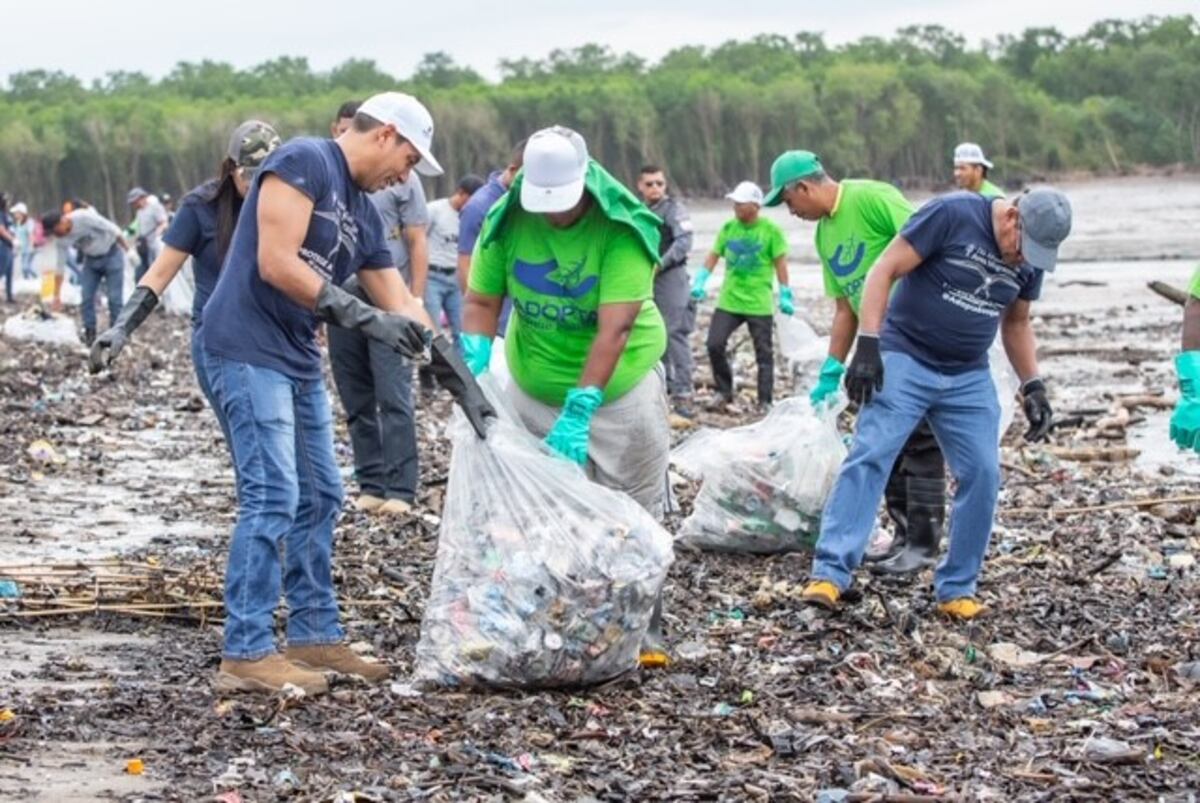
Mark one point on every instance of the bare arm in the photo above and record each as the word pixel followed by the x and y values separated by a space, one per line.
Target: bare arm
pixel 613 328
pixel 781 270
pixel 163 269
pixel 481 314
pixel 1191 324
pixel 899 259
pixel 1016 332
pixel 710 261
pixel 283 217
pixel 841 333
pixel 418 257
pixel 464 272
pixel 387 290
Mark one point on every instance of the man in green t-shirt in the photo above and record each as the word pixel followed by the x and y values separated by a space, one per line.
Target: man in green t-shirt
pixel 1185 421
pixel 971 171
pixel 755 254
pixel 575 251
pixel 856 220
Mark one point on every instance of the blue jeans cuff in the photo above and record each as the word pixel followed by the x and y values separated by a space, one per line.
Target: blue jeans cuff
pixel 316 641
pixel 248 656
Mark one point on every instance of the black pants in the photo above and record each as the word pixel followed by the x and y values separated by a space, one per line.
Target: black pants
pixel 918 475
pixel 723 325
pixel 375 385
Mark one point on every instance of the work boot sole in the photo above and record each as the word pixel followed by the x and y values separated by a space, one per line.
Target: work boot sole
pixel 339 674
pixel 232 683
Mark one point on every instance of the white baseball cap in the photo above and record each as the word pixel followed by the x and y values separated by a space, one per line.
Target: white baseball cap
pixel 19 209
pixel 411 120
pixel 555 167
pixel 746 193
pixel 968 153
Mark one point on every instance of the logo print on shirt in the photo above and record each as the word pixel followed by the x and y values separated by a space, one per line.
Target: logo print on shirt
pixel 347 230
pixel 742 254
pixel 537 277
pixel 841 268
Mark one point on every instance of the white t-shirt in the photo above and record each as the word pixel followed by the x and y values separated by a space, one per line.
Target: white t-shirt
pixel 443 234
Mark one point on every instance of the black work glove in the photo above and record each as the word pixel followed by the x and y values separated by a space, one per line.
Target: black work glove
pixel 453 374
pixel 1037 410
pixel 864 377
pixel 139 306
pixel 336 306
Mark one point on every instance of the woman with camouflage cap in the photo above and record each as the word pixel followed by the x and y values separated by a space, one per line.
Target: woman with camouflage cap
pixel 201 229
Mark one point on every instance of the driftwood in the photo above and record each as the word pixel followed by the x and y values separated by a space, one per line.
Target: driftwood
pixel 1168 292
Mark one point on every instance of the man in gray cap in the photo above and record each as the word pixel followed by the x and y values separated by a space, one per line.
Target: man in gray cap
pixel 973 265
pixel 150 221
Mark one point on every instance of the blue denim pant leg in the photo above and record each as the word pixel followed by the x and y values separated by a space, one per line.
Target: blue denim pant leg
pixel 200 364
pixel 7 266
pixel 442 294
pixel 884 426
pixel 109 268
pixel 258 404
pixel 966 418
pixel 308 545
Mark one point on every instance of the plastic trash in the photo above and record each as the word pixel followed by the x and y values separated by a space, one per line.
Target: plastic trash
pixel 178 297
pixel 44 452
pixel 1006 382
pixel 765 484
pixel 9 589
pixel 135 766
pixel 34 326
pixel 543 579
pixel 802 349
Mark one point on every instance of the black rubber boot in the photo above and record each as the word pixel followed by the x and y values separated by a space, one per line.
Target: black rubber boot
pixel 89 335
pixel 926 522
pixel 895 500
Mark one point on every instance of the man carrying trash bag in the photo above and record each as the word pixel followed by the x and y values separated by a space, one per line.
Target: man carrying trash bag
pixel 971 265
pixel 575 250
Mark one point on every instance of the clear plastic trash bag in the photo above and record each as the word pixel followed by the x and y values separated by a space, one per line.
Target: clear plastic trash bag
pixel 1007 384
pixel 543 578
pixel 764 484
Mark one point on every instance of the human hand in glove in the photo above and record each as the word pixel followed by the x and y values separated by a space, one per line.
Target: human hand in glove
pixel 477 351
pixel 453 374
pixel 1037 410
pixel 787 304
pixel 1185 421
pixel 828 381
pixel 336 306
pixel 698 283
pixel 569 436
pixel 864 378
pixel 140 304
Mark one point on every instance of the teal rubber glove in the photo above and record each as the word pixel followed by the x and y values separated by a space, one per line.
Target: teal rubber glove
pixel 828 381
pixel 569 436
pixel 787 304
pixel 477 351
pixel 1185 421
pixel 699 282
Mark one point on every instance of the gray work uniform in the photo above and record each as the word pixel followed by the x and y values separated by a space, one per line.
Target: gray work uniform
pixel 672 294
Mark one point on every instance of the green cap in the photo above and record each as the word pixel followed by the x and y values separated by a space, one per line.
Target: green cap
pixel 790 166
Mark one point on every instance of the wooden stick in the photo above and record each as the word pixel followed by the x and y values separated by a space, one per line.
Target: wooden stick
pixel 1168 292
pixel 1069 511
pixel 1084 454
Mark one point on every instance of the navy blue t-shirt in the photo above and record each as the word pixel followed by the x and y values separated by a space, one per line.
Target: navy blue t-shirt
pixel 946 313
pixel 248 320
pixel 193 230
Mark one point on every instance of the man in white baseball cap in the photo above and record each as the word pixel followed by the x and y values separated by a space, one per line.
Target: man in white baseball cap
pixel 305 227
pixel 575 251
pixel 971 171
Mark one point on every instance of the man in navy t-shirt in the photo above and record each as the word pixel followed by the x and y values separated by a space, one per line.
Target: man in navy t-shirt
pixel 470 222
pixel 305 226
pixel 971 266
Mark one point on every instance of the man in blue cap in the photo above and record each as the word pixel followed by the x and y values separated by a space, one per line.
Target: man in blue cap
pixel 972 265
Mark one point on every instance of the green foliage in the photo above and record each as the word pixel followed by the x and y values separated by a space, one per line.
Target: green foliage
pixel 1125 93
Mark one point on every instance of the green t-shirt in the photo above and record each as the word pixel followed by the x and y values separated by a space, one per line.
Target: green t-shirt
pixel 749 253
pixel 1194 287
pixel 868 214
pixel 989 190
pixel 557 280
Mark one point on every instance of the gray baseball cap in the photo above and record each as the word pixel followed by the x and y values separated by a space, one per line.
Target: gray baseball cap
pixel 1045 223
pixel 135 194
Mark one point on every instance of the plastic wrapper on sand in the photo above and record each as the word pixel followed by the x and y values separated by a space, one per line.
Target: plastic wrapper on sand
pixel 543 578
pixel 764 484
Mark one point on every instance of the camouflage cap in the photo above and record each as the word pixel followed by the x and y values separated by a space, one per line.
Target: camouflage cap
pixel 251 143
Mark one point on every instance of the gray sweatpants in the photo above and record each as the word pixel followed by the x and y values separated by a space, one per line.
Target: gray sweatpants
pixel 673 297
pixel 629 442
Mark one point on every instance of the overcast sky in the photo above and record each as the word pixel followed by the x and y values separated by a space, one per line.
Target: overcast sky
pixel 89 38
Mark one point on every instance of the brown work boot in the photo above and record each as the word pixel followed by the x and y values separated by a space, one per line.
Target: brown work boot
pixel 269 674
pixel 336 658
pixel 368 502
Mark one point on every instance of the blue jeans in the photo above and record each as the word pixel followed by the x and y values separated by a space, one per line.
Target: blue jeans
pixel 6 269
pixel 375 385
pixel 442 294
pixel 200 364
pixel 964 413
pixel 27 258
pixel 289 495
pixel 109 268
